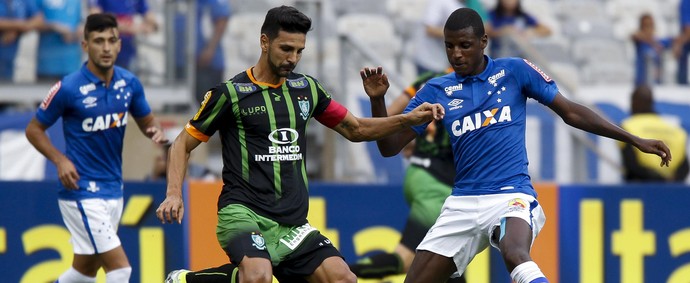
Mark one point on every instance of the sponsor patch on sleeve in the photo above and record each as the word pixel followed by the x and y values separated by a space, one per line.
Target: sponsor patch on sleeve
pixel 51 93
pixel 543 75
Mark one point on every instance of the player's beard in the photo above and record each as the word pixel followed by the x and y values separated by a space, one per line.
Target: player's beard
pixel 280 70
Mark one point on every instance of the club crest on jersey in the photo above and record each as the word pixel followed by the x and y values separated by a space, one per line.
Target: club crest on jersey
pixel 450 89
pixel 245 87
pixel 304 107
pixel 259 242
pixel 298 83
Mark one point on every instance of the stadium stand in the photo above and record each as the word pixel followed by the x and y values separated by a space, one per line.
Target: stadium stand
pixel 590 45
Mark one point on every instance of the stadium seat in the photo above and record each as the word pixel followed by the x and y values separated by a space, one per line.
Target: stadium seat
pixel 581 10
pixel 607 73
pixel 600 51
pixel 582 28
pixel 241 40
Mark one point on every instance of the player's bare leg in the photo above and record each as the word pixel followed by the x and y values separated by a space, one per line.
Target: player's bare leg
pixel 428 267
pixel 515 245
pixel 332 270
pixel 255 270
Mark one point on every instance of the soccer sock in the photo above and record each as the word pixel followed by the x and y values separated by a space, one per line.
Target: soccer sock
pixel 528 272
pixel 74 276
pixel 378 266
pixel 118 275
pixel 224 273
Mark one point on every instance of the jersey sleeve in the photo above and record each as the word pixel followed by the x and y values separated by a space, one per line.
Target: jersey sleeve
pixel 424 94
pixel 322 97
pixel 210 114
pixel 142 7
pixel 530 20
pixel 219 8
pixel 534 82
pixel 140 107
pixel 53 105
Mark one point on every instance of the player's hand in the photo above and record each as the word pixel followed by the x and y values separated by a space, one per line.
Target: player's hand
pixel 206 56
pixel 424 113
pixel 157 135
pixel 656 147
pixel 67 174
pixel 171 210
pixel 375 81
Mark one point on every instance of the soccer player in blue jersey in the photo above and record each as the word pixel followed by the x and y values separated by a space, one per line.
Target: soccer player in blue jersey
pixel 261 115
pixel 493 201
pixel 94 103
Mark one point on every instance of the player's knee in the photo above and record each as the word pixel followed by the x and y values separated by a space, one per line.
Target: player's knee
pixel 256 276
pixel 345 277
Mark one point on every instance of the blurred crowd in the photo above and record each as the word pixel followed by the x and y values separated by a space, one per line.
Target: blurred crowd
pixel 58 24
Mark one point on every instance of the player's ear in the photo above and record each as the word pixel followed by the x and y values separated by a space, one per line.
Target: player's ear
pixel 484 41
pixel 264 43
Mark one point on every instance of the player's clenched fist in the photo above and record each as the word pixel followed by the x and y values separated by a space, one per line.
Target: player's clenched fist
pixel 424 113
pixel 171 209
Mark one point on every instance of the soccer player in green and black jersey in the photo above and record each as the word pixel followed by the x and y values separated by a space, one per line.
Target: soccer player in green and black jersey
pixel 262 115
pixel 428 182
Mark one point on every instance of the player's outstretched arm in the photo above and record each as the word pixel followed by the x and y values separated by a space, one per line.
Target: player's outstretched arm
pixel 585 119
pixel 150 128
pixel 368 129
pixel 375 85
pixel 172 208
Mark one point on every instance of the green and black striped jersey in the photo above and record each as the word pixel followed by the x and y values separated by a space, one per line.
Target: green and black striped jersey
pixel 263 134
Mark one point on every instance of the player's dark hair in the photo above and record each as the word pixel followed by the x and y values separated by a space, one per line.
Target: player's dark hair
pixel 99 22
pixel 642 100
pixel 287 19
pixel 463 18
pixel 502 11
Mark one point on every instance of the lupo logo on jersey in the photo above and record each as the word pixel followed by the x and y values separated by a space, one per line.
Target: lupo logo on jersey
pixel 103 122
pixel 481 119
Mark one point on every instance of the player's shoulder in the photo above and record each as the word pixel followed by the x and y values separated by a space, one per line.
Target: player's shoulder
pixel 510 63
pixel 442 80
pixel 299 80
pixel 72 83
pixel 125 74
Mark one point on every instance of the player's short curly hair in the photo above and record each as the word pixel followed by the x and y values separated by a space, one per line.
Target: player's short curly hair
pixel 287 19
pixel 99 22
pixel 463 18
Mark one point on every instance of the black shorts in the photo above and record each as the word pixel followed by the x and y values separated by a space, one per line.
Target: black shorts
pixel 294 267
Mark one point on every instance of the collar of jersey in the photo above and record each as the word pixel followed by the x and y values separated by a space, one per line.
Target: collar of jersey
pixel 92 78
pixel 253 79
pixel 484 74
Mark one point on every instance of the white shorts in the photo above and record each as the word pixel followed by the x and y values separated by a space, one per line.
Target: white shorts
pixel 464 227
pixel 93 224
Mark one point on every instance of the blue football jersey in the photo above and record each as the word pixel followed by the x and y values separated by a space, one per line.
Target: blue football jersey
pixel 485 118
pixel 94 119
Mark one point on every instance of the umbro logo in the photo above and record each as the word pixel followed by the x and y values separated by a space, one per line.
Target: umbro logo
pixel 455 104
